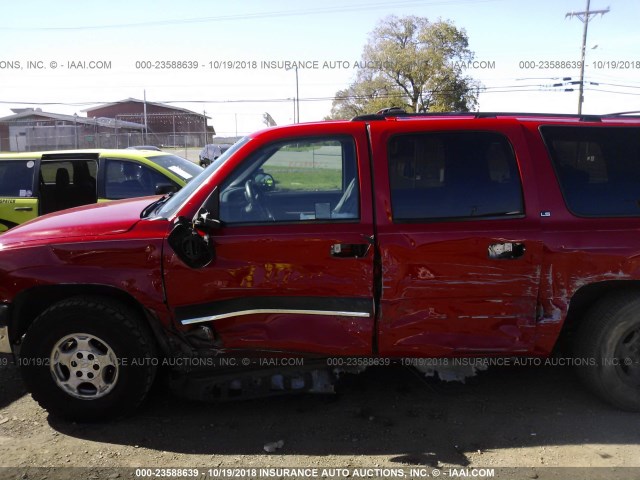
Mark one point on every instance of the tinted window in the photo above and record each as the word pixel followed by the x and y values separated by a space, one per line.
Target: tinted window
pixel 49 169
pixel 598 168
pixel 16 178
pixel 453 175
pixel 302 180
pixel 125 179
pixel 66 184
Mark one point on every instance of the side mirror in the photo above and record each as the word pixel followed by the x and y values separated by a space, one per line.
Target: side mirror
pixel 265 181
pixel 205 221
pixel 192 248
pixel 164 188
pixel 207 217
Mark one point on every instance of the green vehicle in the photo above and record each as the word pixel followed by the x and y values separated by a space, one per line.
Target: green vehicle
pixel 37 183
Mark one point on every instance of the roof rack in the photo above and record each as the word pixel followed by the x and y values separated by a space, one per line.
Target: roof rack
pixel 399 112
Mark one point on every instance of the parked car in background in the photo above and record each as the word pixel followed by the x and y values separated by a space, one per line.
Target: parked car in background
pixel 37 183
pixel 212 151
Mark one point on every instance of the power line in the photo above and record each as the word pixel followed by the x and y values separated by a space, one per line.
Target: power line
pixel 612 91
pixel 391 96
pixel 257 15
pixel 618 85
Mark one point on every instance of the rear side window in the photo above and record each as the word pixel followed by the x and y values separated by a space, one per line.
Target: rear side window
pixel 598 168
pixel 458 175
pixel 16 178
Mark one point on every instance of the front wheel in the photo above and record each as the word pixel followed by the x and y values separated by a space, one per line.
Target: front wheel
pixel 87 359
pixel 608 347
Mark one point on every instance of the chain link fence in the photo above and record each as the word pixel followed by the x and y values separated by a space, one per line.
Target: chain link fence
pixel 162 130
pixel 34 139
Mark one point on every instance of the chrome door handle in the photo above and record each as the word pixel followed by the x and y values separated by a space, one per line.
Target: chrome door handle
pixel 344 250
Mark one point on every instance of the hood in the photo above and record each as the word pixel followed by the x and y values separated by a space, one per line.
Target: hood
pixel 88 221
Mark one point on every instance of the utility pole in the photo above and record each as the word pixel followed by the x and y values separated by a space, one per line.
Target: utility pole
pixel 297 97
pixel 296 101
pixel 146 130
pixel 584 17
pixel 204 125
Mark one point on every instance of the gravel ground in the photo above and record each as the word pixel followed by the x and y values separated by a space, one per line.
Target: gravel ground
pixel 526 419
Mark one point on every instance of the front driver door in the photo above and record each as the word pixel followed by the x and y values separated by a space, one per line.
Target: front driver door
pixel 293 267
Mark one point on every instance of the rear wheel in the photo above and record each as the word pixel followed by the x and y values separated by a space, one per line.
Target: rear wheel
pixel 88 358
pixel 608 347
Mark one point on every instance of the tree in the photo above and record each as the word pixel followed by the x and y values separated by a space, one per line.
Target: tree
pixel 411 63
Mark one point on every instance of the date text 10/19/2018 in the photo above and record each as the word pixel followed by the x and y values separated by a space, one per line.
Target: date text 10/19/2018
pixel 225 64
pixel 574 64
pixel 314 472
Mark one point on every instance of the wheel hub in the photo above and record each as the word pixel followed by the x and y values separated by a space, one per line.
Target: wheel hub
pixel 84 366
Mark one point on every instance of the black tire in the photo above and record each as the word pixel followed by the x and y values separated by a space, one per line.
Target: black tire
pixel 96 330
pixel 609 342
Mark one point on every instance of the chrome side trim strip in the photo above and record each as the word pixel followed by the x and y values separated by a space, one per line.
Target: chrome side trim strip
pixel 5 346
pixel 191 321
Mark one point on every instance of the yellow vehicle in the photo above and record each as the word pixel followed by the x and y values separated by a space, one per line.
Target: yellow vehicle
pixel 37 183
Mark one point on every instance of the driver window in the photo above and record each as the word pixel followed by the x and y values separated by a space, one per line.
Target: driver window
pixel 303 180
pixel 127 179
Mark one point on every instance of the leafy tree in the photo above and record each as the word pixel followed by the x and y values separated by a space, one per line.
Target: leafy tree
pixel 414 64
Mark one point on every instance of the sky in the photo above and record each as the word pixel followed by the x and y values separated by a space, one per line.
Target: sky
pixel 231 44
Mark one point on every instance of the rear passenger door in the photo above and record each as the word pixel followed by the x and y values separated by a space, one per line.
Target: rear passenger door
pixel 458 237
pixel 18 201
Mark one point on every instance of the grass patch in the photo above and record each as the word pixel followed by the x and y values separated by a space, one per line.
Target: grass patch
pixel 311 179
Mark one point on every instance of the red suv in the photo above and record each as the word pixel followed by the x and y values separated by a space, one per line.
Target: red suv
pixel 387 238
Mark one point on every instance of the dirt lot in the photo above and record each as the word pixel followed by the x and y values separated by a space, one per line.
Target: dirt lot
pixel 532 418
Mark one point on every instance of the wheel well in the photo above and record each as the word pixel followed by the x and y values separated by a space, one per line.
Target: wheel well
pixel 31 303
pixel 586 297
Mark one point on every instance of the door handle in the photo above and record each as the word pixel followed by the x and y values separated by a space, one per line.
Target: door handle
pixel 23 209
pixel 346 250
pixel 506 250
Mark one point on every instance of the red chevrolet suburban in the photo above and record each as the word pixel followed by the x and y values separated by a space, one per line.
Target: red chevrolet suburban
pixel 345 244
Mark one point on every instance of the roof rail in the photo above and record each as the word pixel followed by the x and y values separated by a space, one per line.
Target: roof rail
pixel 398 112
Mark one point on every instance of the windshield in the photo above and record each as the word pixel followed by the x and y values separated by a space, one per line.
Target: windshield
pixel 181 196
pixel 182 167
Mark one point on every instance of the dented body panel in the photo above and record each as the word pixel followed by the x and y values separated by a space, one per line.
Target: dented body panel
pixel 442 294
pixel 265 282
pixel 119 254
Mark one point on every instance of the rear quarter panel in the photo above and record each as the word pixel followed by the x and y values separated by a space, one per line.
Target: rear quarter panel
pixel 578 251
